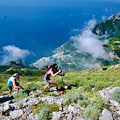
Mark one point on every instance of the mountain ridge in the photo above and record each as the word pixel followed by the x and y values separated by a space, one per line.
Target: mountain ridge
pixel 75 54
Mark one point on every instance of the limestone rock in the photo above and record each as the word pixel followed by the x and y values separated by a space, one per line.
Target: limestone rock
pixel 16 114
pixel 106 115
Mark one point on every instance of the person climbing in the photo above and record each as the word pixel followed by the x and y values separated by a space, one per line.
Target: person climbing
pixel 52 71
pixel 13 83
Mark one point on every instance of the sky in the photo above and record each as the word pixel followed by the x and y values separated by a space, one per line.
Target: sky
pixel 47 2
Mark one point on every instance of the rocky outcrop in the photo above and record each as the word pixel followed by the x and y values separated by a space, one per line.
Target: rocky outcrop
pixel 12 110
pixel 106 115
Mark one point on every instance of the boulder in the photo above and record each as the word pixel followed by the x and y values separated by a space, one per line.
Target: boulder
pixel 16 114
pixel 56 115
pixel 106 115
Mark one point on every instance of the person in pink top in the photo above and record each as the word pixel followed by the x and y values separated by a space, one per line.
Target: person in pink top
pixel 51 72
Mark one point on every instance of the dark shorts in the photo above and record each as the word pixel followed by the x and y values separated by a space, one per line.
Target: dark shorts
pixel 47 81
pixel 10 87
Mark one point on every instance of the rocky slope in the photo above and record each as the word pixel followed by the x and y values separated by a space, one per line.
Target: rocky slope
pixel 11 110
pixel 96 96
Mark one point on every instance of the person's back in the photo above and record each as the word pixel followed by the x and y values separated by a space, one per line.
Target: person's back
pixel 48 74
pixel 10 84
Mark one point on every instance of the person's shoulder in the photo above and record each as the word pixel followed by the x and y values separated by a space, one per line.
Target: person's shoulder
pixel 12 78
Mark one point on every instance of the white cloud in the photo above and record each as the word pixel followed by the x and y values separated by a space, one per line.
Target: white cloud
pixel 90 24
pixel 90 43
pixel 75 31
pixel 12 53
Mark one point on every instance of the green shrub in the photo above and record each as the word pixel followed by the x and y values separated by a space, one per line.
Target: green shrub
pixel 51 94
pixel 0 86
pixel 16 67
pixel 73 96
pixel 81 82
pixel 27 86
pixel 91 83
pixel 19 96
pixel 113 78
pixel 45 114
pixel 37 94
pixel 37 107
pixel 88 85
pixel 97 101
pixel 101 84
pixel 94 108
pixel 91 113
pixel 98 78
pixel 87 88
pixel 116 95
pixel 84 102
pixel 34 85
pixel 116 83
pixel 4 88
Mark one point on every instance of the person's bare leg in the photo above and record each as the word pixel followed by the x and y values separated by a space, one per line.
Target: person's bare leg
pixel 46 87
pixel 54 83
pixel 10 90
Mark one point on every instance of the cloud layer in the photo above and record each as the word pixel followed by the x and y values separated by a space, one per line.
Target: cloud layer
pixel 90 43
pixel 13 53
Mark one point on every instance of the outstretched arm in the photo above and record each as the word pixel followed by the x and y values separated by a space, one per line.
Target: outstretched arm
pixel 57 73
pixel 16 86
pixel 13 81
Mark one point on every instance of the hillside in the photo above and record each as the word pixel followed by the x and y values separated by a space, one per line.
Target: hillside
pixel 110 27
pixel 89 49
pixel 95 90
pixel 114 45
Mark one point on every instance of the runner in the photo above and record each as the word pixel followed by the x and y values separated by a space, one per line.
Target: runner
pixel 52 72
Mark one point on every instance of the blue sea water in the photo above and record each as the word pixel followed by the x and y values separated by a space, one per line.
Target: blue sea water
pixel 41 26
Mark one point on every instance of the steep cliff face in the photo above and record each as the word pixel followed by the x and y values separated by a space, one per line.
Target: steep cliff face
pixel 109 27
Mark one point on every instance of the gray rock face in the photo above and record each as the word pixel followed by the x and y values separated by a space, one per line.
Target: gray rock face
pixel 106 115
pixel 16 114
pixel 56 115
pixel 106 93
pixel 52 100
pixel 73 109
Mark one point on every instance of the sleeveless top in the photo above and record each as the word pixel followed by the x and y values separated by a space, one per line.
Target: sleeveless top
pixel 9 83
pixel 48 74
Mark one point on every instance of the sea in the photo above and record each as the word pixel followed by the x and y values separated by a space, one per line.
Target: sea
pixel 32 29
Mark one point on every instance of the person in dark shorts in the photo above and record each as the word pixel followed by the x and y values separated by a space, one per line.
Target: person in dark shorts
pixel 51 72
pixel 13 83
